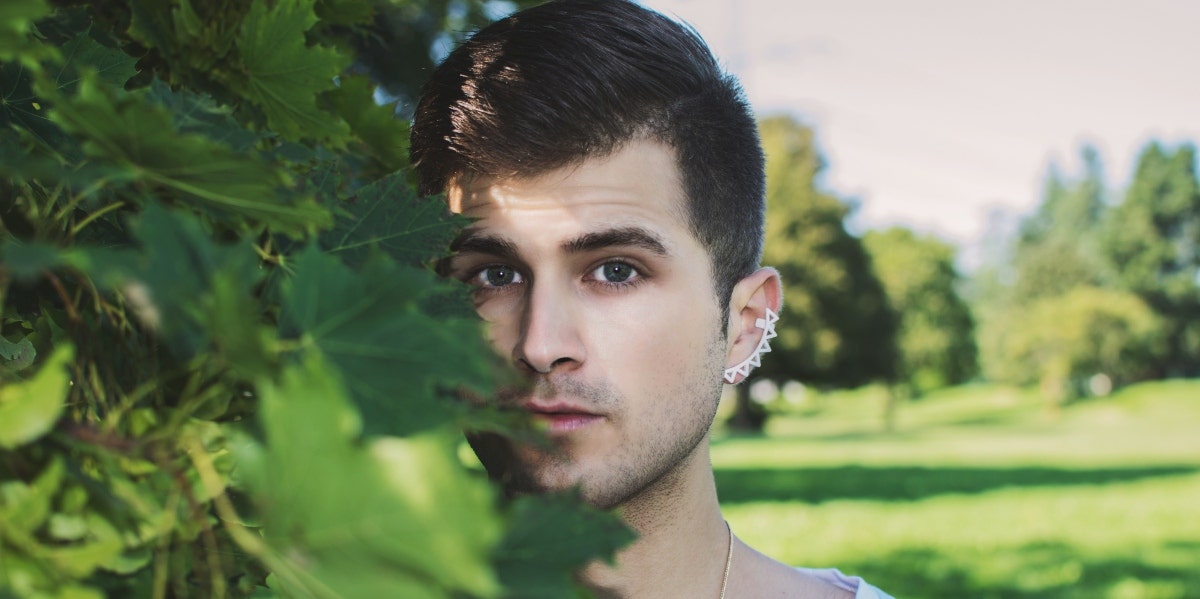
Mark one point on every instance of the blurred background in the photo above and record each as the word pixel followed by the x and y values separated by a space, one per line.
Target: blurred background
pixel 987 216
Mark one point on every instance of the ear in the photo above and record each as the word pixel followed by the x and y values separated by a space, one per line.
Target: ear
pixel 748 305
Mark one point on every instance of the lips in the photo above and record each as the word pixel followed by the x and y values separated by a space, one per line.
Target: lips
pixel 561 417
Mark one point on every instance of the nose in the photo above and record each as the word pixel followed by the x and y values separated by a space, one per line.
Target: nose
pixel 549 338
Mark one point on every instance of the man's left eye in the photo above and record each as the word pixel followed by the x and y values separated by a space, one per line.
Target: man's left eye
pixel 614 272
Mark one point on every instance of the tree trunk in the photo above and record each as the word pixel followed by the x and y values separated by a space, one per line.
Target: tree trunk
pixel 890 403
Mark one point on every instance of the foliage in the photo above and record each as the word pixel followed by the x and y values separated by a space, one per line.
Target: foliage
pixel 1153 241
pixel 1062 341
pixel 1079 251
pixel 226 368
pixel 401 45
pixel 936 337
pixel 836 327
pixel 1058 246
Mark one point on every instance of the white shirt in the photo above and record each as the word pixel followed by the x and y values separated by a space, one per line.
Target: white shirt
pixel 862 589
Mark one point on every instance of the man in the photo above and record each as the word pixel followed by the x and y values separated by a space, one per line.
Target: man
pixel 615 179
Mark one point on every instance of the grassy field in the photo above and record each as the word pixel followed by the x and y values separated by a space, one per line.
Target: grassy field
pixel 980 492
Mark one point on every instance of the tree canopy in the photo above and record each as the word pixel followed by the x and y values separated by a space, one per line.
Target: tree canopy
pixel 1153 242
pixel 1101 285
pixel 936 337
pixel 836 327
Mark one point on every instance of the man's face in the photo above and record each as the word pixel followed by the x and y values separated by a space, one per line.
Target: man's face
pixel 589 278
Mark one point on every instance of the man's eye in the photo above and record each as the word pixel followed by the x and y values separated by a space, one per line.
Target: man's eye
pixel 497 276
pixel 614 272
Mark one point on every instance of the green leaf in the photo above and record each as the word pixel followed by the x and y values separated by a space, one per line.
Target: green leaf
pixel 16 23
pixel 389 216
pixel 30 408
pixel 67 527
pixel 193 292
pixel 151 24
pixel 200 114
pixel 21 107
pixel 345 12
pixel 78 592
pixel 385 136
pixel 285 74
pixel 391 518
pixel 551 536
pixel 231 317
pixel 16 356
pixel 24 508
pixel 103 546
pixel 370 326
pixel 196 290
pixel 123 130
pixel 82 52
pixel 26 261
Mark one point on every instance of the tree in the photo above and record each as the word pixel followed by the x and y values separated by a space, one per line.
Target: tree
pixel 1061 343
pixel 1056 250
pixel 1058 246
pixel 836 327
pixel 1153 241
pixel 936 336
pixel 226 368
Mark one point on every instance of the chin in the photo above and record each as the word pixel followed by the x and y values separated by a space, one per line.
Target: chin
pixel 522 470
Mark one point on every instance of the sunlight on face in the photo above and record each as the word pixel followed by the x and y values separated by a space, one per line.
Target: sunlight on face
pixel 592 283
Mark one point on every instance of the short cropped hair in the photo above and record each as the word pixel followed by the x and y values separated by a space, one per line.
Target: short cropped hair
pixel 570 80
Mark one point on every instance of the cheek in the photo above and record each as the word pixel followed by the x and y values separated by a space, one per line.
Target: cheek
pixel 501 323
pixel 658 341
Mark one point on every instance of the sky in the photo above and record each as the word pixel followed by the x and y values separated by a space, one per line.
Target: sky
pixel 940 115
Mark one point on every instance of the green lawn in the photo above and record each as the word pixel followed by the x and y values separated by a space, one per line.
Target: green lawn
pixel 980 493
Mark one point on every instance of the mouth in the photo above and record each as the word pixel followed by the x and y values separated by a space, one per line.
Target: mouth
pixel 561 417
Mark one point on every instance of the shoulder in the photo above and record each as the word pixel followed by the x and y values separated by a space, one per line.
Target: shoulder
pixel 761 576
pixel 859 588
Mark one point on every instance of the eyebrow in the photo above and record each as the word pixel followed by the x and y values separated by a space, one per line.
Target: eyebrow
pixel 481 243
pixel 622 237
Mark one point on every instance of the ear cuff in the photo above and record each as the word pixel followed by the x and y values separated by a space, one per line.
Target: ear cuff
pixel 768 326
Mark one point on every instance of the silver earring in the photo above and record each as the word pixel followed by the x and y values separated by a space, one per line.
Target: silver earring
pixel 768 326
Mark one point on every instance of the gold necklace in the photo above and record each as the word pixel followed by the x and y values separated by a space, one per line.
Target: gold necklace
pixel 728 560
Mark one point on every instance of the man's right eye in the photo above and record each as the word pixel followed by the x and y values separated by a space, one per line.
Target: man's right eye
pixel 497 276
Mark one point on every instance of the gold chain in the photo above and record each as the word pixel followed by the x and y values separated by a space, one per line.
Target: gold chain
pixel 728 560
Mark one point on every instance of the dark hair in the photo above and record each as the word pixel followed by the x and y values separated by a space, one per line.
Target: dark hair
pixel 570 80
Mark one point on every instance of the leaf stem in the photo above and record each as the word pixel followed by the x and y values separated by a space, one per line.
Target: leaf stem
pixel 248 541
pixel 68 305
pixel 95 215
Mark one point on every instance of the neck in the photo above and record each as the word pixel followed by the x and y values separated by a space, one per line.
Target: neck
pixel 682 540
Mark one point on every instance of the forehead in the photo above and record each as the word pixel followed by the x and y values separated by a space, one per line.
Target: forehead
pixel 637 185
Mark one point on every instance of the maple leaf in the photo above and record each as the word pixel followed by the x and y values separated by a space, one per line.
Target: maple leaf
pixel 369 324
pixel 29 409
pixel 384 135
pixel 20 106
pixel 355 519
pixel 388 215
pixel 285 75
pixel 549 537
pixel 142 140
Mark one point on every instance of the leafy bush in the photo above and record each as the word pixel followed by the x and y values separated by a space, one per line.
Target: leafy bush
pixel 225 366
pixel 1062 341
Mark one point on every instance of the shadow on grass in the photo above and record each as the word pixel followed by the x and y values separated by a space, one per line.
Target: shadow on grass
pixel 903 483
pixel 1035 571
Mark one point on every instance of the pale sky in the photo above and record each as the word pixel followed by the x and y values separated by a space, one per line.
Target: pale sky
pixel 932 113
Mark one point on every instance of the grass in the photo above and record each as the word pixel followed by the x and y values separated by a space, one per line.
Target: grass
pixel 980 492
